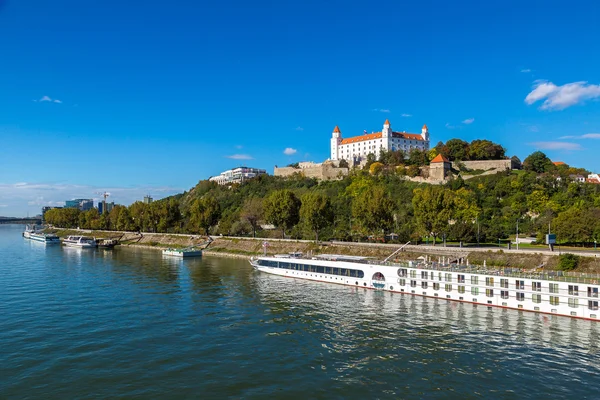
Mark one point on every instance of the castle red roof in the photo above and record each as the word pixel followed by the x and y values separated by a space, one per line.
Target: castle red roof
pixel 439 158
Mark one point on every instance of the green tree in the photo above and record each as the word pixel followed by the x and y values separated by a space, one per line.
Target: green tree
pixel 205 213
pixel 281 209
pixel 433 208
pixel 316 212
pixel 373 209
pixel 457 150
pixel 568 262
pixel 537 162
pixel 376 168
pixel 252 213
pixel 485 150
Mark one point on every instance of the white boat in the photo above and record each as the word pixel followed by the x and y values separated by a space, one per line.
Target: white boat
pixel 83 242
pixel 187 252
pixel 550 292
pixel 29 229
pixel 48 238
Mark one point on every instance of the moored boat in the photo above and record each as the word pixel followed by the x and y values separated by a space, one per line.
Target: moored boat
pixel 186 252
pixel 107 243
pixel 48 238
pixel 551 292
pixel 83 242
pixel 29 229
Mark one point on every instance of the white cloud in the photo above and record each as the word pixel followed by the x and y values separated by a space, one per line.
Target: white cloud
pixel 240 157
pixel 48 99
pixel 406 115
pixel 525 70
pixel 585 136
pixel 289 151
pixel 556 146
pixel 468 121
pixel 299 128
pixel 560 97
pixel 383 110
pixel 450 126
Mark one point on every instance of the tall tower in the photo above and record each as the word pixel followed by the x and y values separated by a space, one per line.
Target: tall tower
pixel 336 140
pixel 425 133
pixel 387 129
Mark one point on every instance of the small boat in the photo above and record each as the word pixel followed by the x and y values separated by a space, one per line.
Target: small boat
pixel 83 242
pixel 186 252
pixel 29 229
pixel 48 238
pixel 107 243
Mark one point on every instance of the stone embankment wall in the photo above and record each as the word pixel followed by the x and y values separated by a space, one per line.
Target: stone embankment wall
pixel 499 165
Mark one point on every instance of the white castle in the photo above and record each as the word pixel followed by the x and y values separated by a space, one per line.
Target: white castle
pixel 358 147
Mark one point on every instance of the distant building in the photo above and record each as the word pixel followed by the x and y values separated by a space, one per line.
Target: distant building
pixel 559 163
pixel 577 178
pixel 237 175
pixel 81 204
pixel 356 148
pixel 321 171
pixel 593 178
pixel 109 207
pixel 148 199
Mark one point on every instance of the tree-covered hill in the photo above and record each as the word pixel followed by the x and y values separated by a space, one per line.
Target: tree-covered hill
pixel 372 203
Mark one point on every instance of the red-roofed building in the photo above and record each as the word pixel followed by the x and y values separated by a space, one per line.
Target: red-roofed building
pixel 358 147
pixel 557 163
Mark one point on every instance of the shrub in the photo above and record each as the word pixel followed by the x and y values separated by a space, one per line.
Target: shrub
pixel 568 262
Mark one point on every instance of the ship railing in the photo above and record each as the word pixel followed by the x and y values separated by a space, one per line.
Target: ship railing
pixel 510 272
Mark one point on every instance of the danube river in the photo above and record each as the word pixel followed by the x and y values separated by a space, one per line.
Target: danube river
pixel 130 323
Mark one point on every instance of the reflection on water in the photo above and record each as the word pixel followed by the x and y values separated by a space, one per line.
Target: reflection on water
pixel 131 323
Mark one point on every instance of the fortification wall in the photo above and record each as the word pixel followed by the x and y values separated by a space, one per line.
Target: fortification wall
pixel 485 165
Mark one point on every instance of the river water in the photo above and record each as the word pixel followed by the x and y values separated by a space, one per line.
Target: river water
pixel 130 323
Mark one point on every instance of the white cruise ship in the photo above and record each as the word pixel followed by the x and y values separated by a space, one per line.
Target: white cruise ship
pixel 551 292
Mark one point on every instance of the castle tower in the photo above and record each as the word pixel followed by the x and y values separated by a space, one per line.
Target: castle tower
pixel 425 133
pixel 336 140
pixel 387 129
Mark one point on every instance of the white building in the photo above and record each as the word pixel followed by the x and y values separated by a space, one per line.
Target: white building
pixel 237 175
pixel 358 147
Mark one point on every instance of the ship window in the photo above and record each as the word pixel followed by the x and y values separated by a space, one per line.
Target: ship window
pixel 423 274
pixel 574 290
pixel 573 302
pixel 489 292
pixel 413 283
pixel 520 284
pixel 424 284
pixel 554 288
pixel 448 287
pixel 402 272
pixel 504 283
pixel 593 304
pixel 536 286
pixel 474 280
pixel 461 289
pixel 489 281
pixel 520 296
pixel 461 278
pixel 448 277
pixel 436 286
pixel 475 290
pixel 536 298
pixel 592 292
pixel 402 282
pixel 504 293
pixel 413 273
pixel 554 300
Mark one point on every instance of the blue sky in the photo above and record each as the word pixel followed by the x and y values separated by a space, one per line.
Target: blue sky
pixel 153 96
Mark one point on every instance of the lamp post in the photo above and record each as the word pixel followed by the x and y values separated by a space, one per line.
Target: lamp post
pixel 517 234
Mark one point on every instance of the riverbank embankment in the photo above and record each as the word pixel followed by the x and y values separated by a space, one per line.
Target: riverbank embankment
pixel 246 247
